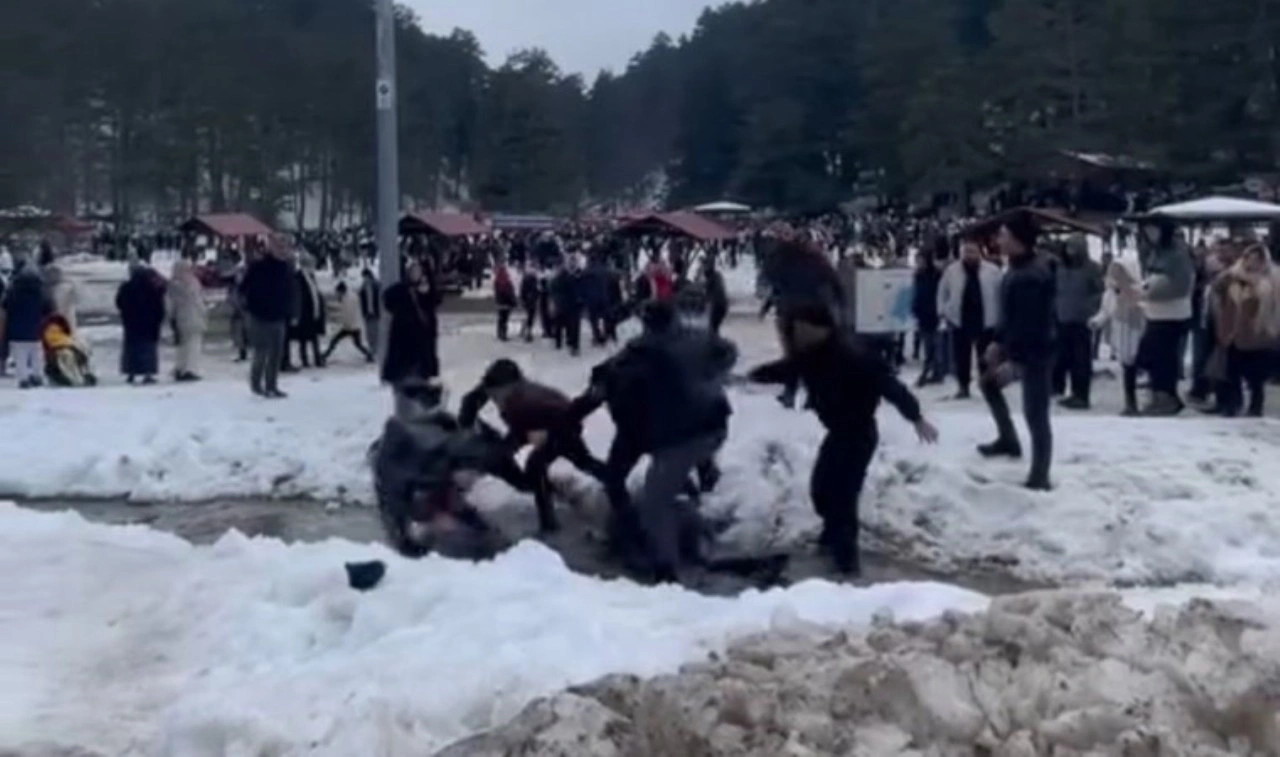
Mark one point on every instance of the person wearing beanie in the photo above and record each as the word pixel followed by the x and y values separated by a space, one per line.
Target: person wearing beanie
pixel 845 383
pixel 536 415
pixel 1022 349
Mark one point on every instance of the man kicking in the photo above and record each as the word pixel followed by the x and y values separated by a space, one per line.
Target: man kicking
pixel 536 415
pixel 845 384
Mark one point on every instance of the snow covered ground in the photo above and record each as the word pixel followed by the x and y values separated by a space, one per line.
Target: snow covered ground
pixel 132 642
pixel 1146 501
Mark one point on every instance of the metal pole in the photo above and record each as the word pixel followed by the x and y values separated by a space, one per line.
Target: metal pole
pixel 388 157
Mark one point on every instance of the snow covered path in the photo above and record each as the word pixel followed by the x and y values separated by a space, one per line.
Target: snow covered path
pixel 1145 501
pixel 127 641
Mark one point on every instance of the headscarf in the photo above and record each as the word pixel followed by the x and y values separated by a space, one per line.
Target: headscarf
pixel 1261 285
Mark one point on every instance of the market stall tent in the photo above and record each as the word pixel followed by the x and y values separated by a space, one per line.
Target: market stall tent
pixel 1218 209
pixel 226 226
pixel 679 224
pixel 441 224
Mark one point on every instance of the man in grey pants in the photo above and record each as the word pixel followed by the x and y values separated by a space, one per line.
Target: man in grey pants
pixel 661 515
pixel 268 291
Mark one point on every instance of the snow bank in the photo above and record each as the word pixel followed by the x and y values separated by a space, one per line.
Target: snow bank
pixel 1146 501
pixel 127 641
pixel 1034 675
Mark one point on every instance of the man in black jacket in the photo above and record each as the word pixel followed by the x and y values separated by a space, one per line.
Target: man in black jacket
pixel 845 384
pixel 924 307
pixel 1023 349
pixel 269 293
pixel 665 393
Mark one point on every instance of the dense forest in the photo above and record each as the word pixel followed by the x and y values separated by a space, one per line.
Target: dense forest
pixel 174 105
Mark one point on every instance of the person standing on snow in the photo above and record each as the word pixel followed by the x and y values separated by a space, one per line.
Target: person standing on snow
pixel 567 301
pixel 25 307
pixel 309 314
pixel 350 322
pixel 414 329
pixel 371 306
pixel 717 295
pixel 1023 350
pixel 504 296
pixel 268 292
pixel 665 393
pixel 969 300
pixel 535 415
pixel 140 301
pixel 1079 297
pixel 845 383
pixel 530 294
pixel 186 304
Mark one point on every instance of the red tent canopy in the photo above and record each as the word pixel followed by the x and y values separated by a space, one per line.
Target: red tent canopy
pixel 443 224
pixel 226 225
pixel 679 224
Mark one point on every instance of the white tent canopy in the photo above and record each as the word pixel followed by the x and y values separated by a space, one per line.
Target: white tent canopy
pixel 722 206
pixel 1219 209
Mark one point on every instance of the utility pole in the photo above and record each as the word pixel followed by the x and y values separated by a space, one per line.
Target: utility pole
pixel 388 158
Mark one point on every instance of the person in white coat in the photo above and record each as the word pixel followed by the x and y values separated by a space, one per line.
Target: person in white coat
pixel 969 303
pixel 350 322
pixel 186 304
pixel 1122 312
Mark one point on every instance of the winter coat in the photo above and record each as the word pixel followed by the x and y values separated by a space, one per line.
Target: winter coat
pixel 924 298
pixel 529 290
pixel 269 290
pixel 1244 308
pixel 1027 297
pixel 186 299
pixel 1079 291
pixel 504 290
pixel 566 293
pixel 595 287
pixel 309 314
pixel 951 293
pixel 662 283
pixel 717 293
pixel 527 407
pixel 140 301
pixel 845 383
pixel 25 306
pixel 349 316
pixel 412 348
pixel 667 388
pixel 802 279
pixel 1170 277
pixel 1121 312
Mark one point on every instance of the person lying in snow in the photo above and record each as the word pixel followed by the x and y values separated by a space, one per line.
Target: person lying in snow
pixel 845 384
pixel 423 465
pixel 535 415
pixel 66 360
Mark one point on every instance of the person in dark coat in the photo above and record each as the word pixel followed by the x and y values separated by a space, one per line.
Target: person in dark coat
pixel 537 416
pixel 717 295
pixel 924 307
pixel 845 383
pixel 268 292
pixel 1023 350
pixel 504 297
pixel 308 324
pixel 140 301
pixel 665 394
pixel 567 301
pixel 530 294
pixel 800 276
pixel 412 343
pixel 26 305
pixel 595 297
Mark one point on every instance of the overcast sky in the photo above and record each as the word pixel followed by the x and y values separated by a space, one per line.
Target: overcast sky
pixel 583 36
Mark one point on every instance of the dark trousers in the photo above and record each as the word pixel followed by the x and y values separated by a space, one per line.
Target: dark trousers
pixel 530 315
pixel 1074 361
pixel 963 343
pixel 1203 341
pixel 560 444
pixel 267 341
pixel 599 323
pixel 568 331
pixel 1036 392
pixel 1130 376
pixel 1160 356
pixel 835 486
pixel 933 368
pixel 286 359
pixel 504 318
pixel 716 319
pixel 1250 368
pixel 355 336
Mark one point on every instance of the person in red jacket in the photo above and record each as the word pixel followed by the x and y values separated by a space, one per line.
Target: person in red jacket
pixel 504 295
pixel 661 283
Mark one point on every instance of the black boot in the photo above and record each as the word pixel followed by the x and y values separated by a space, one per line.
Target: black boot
pixel 1001 448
